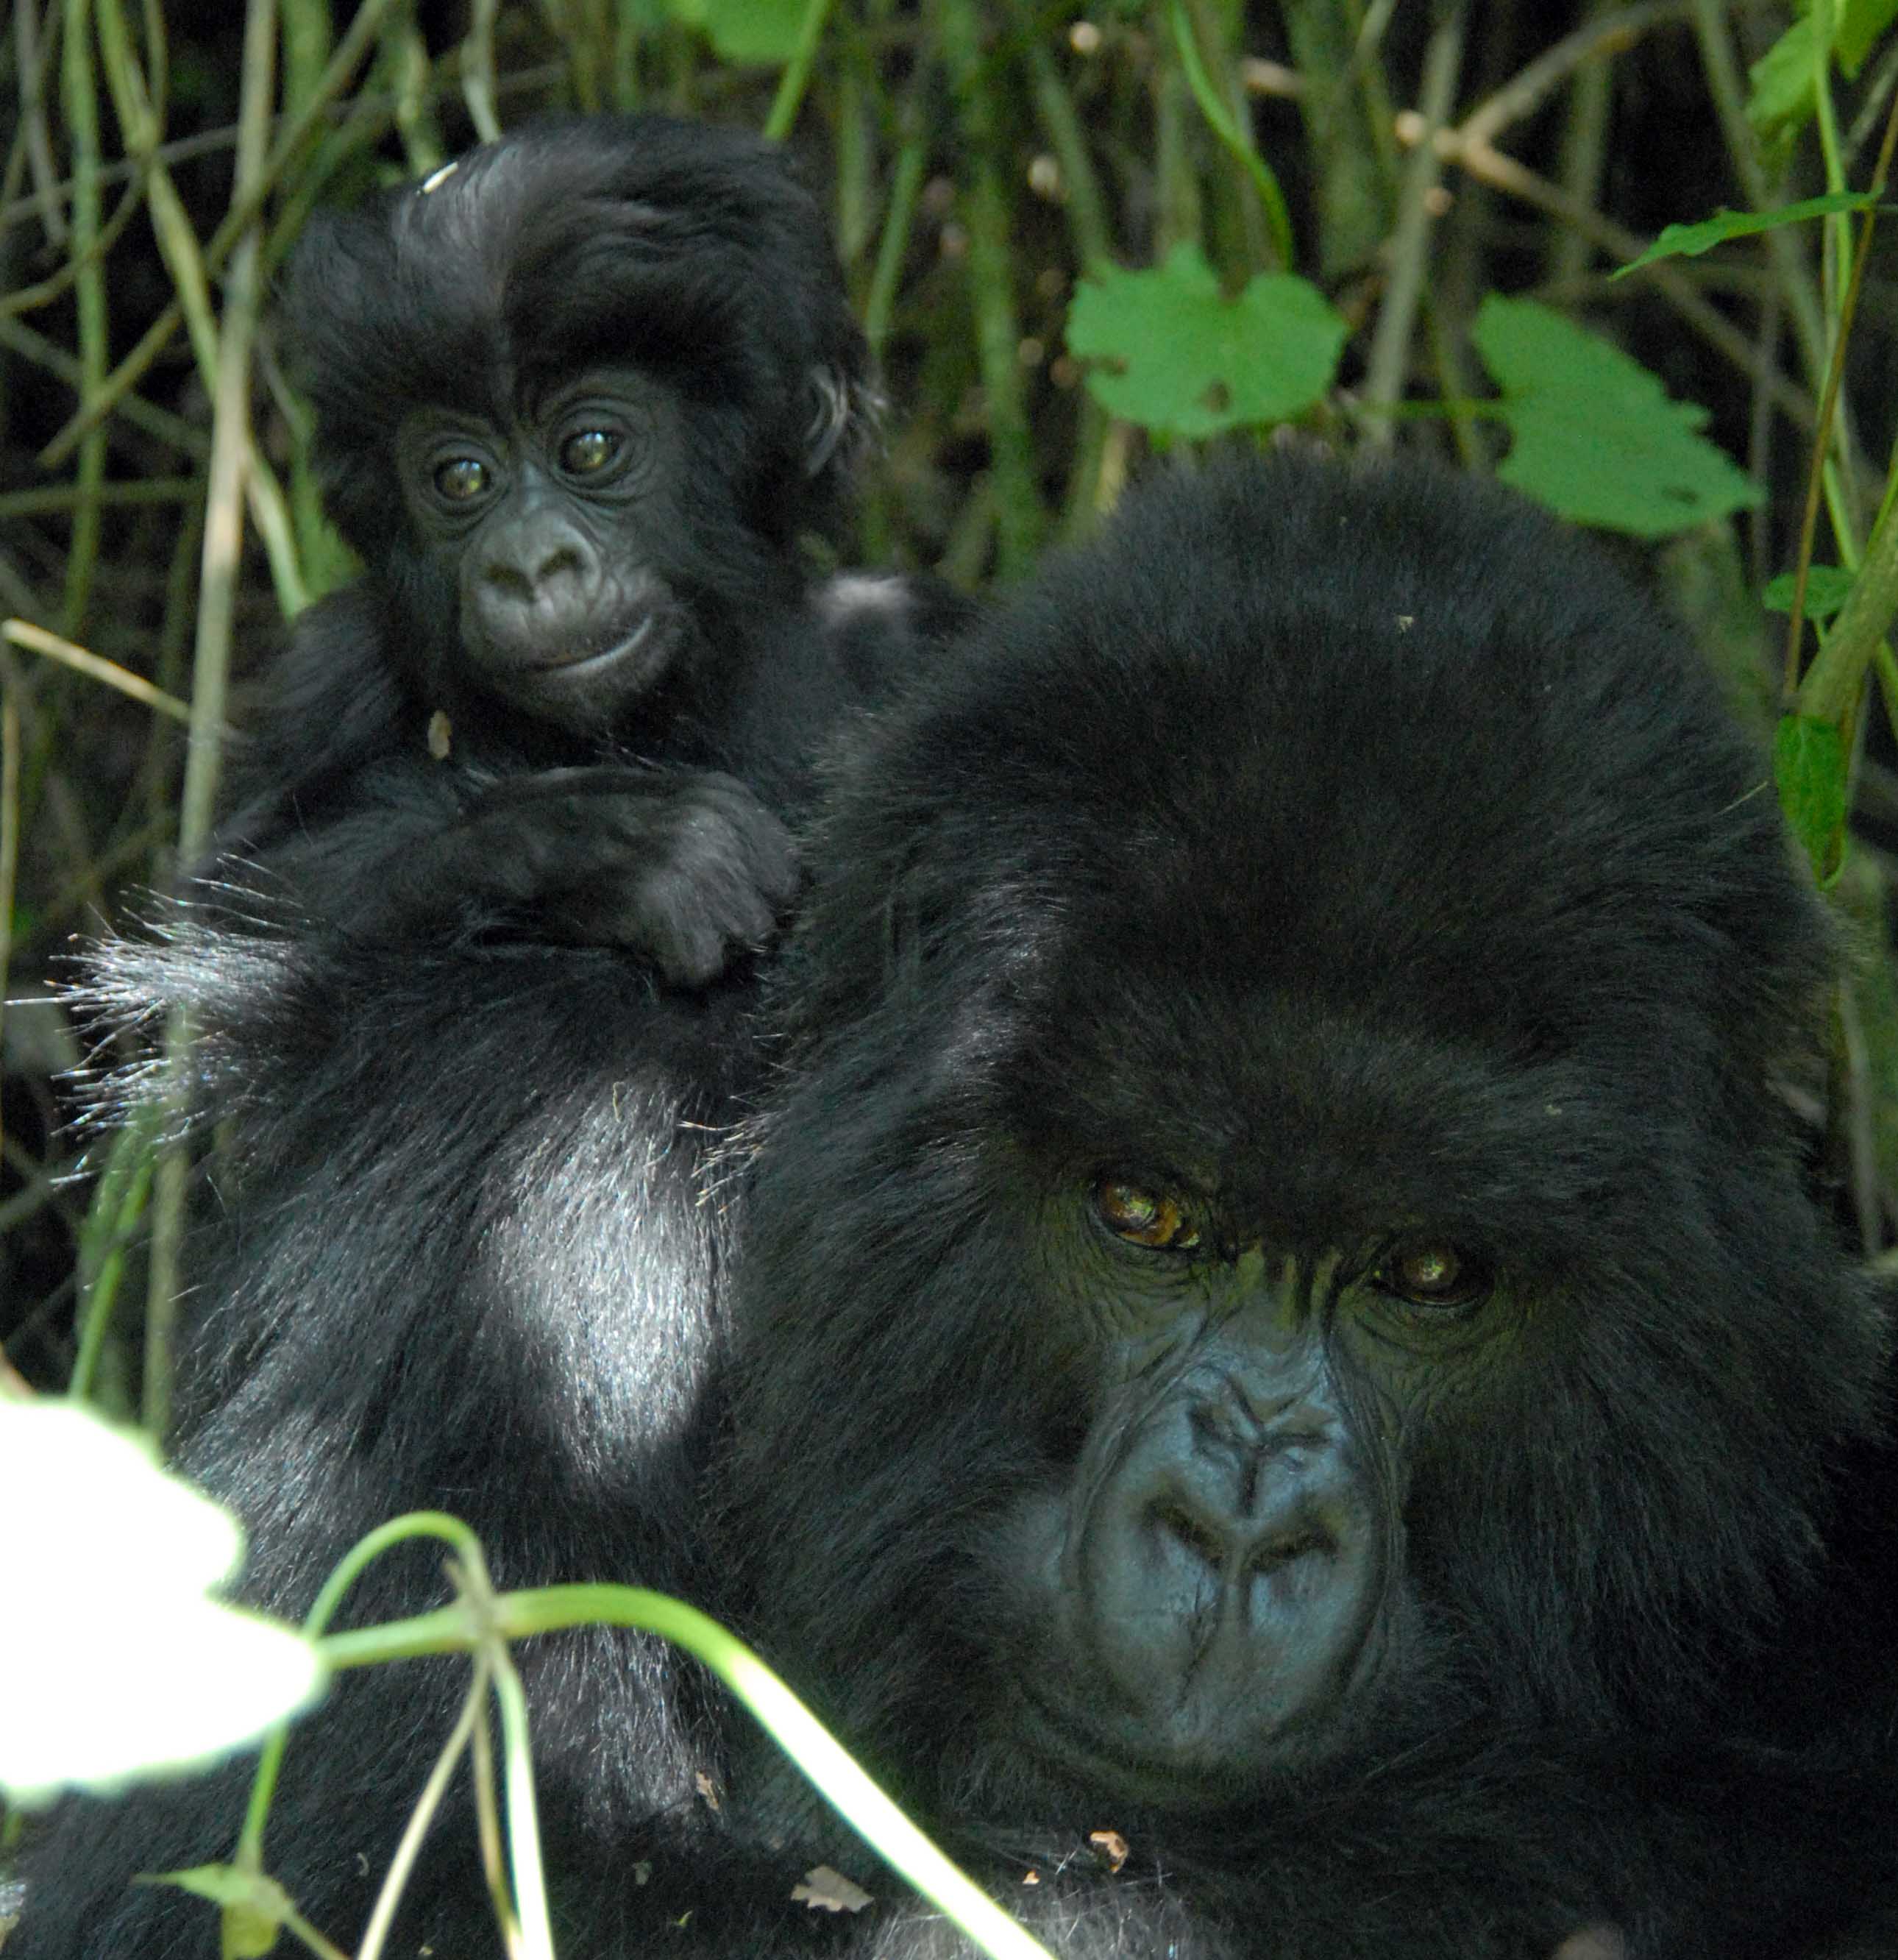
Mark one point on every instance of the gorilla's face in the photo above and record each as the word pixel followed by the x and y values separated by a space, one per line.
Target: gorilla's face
pixel 1212 1569
pixel 1277 1232
pixel 1205 1575
pixel 1275 1277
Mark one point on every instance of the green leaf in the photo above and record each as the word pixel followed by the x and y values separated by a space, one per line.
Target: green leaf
pixel 1827 586
pixel 1169 351
pixel 1809 766
pixel 1860 24
pixel 1782 103
pixel 764 32
pixel 1596 438
pixel 1690 240
pixel 225 1885
pixel 256 1908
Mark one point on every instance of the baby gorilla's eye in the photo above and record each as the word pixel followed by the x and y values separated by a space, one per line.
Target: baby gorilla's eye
pixel 461 479
pixel 1143 1217
pixel 589 451
pixel 1433 1273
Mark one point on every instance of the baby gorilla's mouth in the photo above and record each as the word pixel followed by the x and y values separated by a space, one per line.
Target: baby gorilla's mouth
pixel 582 659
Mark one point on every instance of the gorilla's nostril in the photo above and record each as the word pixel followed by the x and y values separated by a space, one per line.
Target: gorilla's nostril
pixel 1234 1549
pixel 1202 1541
pixel 1283 1548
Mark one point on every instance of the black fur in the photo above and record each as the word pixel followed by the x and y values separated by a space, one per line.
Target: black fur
pixel 689 251
pixel 461 1250
pixel 1350 855
pixel 684 270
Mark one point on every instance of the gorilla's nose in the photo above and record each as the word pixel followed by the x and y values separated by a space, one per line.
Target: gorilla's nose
pixel 1230 1571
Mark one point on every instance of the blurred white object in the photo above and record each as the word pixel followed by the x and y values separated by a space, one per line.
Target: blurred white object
pixel 120 1664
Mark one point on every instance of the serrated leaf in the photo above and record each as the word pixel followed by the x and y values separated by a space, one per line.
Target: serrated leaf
pixel 1169 351
pixel 1827 588
pixel 1781 102
pixel 1809 766
pixel 1860 25
pixel 763 32
pixel 1597 438
pixel 1690 240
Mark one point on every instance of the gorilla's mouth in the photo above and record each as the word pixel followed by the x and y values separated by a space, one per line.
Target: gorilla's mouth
pixel 1196 1742
pixel 1120 1756
pixel 583 660
pixel 1118 1760
pixel 592 685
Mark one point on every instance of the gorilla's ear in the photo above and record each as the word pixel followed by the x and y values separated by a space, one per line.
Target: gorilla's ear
pixel 842 410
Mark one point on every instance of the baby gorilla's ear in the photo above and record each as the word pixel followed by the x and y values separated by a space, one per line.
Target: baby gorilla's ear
pixel 844 412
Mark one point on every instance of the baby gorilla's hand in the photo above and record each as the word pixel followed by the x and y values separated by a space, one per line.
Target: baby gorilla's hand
pixel 687 878
pixel 687 868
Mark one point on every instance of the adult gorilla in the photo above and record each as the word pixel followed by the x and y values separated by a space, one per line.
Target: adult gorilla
pixel 1282 1319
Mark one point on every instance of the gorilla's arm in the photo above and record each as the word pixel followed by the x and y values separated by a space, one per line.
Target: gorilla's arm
pixel 353 826
pixel 681 868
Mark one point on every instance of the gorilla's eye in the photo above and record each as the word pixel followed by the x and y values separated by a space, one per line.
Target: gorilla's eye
pixel 1143 1217
pixel 461 479
pixel 1431 1273
pixel 589 451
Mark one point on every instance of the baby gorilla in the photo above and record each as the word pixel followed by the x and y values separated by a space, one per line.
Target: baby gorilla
pixel 576 398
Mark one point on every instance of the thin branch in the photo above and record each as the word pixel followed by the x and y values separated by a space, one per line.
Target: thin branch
pixel 37 639
pixel 1388 366
pixel 230 456
pixel 409 1849
pixel 1828 404
pixel 244 209
pixel 1503 173
pixel 9 840
pixel 1524 93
